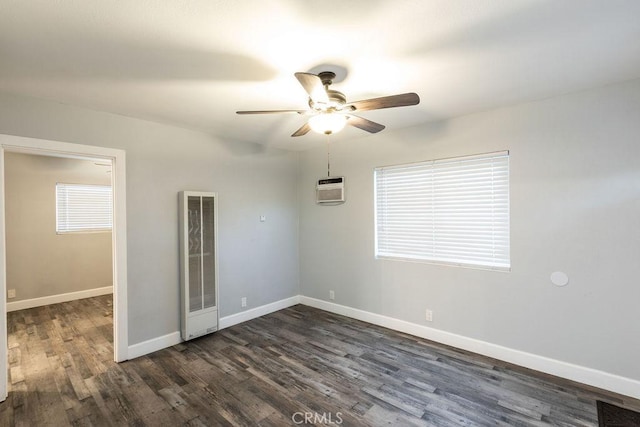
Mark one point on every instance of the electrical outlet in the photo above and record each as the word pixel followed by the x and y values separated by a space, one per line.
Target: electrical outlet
pixel 243 301
pixel 11 293
pixel 429 315
pixel 332 295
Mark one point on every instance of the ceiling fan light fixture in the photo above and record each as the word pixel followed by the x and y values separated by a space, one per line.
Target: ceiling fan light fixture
pixel 327 123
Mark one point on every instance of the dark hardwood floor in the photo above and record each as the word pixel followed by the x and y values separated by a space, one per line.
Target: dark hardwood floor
pixel 292 367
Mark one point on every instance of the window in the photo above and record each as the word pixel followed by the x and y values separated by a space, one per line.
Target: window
pixel 81 207
pixel 453 211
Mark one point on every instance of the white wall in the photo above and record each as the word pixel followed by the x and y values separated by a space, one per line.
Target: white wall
pixel 41 262
pixel 575 207
pixel 257 260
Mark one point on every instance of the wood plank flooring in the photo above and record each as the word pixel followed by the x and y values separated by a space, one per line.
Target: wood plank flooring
pixel 298 366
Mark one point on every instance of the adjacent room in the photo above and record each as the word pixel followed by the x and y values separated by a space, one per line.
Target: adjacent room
pixel 58 239
pixel 419 213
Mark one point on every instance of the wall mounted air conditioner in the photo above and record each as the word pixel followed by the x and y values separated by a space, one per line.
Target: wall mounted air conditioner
pixel 330 190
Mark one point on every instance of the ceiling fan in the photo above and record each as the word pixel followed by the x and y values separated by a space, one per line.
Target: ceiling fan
pixel 330 111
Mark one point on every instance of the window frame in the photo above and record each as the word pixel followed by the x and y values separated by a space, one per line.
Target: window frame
pixel 503 265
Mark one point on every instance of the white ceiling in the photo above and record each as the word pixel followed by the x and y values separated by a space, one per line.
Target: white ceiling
pixel 194 63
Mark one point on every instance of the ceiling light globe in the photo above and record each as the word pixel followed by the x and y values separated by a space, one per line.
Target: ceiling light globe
pixel 327 123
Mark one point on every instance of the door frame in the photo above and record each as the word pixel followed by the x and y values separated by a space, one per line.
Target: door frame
pixel 10 143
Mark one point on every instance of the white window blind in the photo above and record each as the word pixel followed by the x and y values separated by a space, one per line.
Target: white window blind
pixel 82 207
pixel 453 211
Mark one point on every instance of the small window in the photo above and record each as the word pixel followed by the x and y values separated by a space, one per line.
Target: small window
pixel 452 211
pixel 83 208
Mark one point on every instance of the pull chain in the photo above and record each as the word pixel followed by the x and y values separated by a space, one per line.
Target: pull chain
pixel 328 159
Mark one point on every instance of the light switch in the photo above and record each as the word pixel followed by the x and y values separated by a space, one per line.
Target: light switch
pixel 263 218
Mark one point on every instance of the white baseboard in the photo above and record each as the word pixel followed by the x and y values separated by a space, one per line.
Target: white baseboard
pixel 581 374
pixel 155 344
pixel 243 316
pixel 55 299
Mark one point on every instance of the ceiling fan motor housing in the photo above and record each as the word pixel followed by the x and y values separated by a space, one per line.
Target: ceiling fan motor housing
pixel 336 101
pixel 337 97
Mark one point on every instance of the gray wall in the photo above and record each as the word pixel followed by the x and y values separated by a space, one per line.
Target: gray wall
pixel 40 262
pixel 575 207
pixel 575 204
pixel 257 260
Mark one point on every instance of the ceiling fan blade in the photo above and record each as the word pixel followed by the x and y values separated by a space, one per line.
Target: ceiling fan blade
pixel 314 87
pixel 304 129
pixel 364 124
pixel 402 100
pixel 271 111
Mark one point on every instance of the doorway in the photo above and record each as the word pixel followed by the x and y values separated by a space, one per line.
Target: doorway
pixel 116 157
